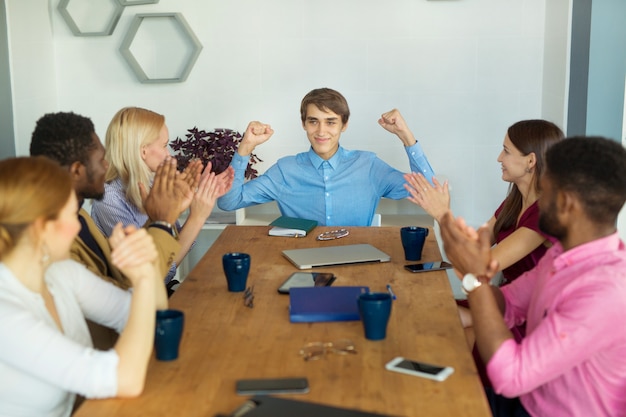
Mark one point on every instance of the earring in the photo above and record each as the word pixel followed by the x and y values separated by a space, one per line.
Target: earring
pixel 528 170
pixel 45 257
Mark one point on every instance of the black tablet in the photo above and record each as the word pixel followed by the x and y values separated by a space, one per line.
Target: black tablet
pixel 307 279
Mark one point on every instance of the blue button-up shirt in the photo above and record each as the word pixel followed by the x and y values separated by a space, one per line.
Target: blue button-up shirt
pixel 343 191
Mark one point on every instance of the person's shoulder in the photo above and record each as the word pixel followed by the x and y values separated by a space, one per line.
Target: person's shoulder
pixel 66 271
pixel 292 160
pixel 66 266
pixel 349 154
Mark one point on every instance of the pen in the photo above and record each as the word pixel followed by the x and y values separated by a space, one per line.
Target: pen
pixel 393 295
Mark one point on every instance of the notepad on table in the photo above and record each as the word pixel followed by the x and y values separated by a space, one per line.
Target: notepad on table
pixel 291 226
pixel 314 304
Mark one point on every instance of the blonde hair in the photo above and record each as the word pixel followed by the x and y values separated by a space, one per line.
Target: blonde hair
pixel 130 129
pixel 31 188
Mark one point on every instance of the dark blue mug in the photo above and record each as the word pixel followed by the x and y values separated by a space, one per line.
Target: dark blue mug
pixel 236 267
pixel 413 238
pixel 375 309
pixel 169 331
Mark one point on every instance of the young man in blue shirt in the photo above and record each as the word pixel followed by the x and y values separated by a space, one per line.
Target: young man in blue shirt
pixel 330 184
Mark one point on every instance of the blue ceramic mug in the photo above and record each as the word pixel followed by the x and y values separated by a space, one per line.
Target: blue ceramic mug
pixel 236 267
pixel 169 331
pixel 375 309
pixel 413 238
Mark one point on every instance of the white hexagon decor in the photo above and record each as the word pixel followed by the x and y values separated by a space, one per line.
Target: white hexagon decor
pixel 91 17
pixel 160 47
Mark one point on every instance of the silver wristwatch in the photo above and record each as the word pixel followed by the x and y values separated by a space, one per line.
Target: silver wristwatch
pixel 160 224
pixel 470 283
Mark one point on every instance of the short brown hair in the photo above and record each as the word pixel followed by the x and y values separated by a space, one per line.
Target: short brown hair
pixel 326 99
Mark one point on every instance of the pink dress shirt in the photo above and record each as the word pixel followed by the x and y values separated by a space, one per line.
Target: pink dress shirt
pixel 573 359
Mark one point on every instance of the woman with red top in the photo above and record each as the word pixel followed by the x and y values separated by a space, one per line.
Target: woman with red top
pixel 518 242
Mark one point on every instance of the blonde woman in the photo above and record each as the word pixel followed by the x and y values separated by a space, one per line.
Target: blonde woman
pixel 136 143
pixel 46 354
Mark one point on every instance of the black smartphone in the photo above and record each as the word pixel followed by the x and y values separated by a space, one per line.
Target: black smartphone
pixel 265 386
pixel 428 266
pixel 306 279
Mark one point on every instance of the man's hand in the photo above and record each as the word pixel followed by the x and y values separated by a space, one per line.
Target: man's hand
pixel 393 122
pixel 256 133
pixel 166 197
pixel 468 250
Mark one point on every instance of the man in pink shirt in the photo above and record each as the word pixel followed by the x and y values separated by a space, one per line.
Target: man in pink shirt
pixel 572 360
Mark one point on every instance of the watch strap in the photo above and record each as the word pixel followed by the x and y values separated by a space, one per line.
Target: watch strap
pixel 163 225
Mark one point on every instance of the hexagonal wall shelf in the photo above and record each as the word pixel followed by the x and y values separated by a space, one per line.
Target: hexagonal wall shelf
pixel 107 14
pixel 148 48
pixel 135 2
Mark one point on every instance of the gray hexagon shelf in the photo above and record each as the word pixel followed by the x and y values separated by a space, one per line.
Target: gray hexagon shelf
pixel 136 2
pixel 78 24
pixel 154 41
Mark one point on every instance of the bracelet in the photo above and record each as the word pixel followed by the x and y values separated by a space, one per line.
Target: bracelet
pixel 163 225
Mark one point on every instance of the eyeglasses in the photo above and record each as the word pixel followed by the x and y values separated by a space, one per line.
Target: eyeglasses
pixel 315 350
pixel 333 234
pixel 248 297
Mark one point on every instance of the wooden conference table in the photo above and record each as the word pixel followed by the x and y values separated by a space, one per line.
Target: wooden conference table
pixel 224 340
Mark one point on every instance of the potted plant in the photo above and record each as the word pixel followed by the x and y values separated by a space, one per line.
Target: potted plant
pixel 217 147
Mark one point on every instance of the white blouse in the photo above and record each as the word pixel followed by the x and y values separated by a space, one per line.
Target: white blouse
pixel 42 366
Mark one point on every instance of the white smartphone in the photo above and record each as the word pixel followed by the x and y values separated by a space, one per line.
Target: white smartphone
pixel 425 370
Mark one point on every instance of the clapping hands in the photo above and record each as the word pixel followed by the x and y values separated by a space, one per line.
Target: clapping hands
pixel 210 188
pixel 434 199
pixel 133 252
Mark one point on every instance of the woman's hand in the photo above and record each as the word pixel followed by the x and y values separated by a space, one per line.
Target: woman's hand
pixel 205 196
pixel 434 199
pixel 134 253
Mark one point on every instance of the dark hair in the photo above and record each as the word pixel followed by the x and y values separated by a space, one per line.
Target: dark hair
pixel 63 137
pixel 326 99
pixel 528 136
pixel 594 168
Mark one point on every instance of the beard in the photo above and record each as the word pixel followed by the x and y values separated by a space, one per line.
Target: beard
pixel 95 189
pixel 549 223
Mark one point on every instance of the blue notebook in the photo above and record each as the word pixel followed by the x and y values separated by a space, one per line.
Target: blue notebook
pixel 314 304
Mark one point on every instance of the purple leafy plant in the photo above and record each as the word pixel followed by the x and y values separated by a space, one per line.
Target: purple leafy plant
pixel 217 147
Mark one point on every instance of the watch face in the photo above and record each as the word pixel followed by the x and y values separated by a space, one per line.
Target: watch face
pixel 470 282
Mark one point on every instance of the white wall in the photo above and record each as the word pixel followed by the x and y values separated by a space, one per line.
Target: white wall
pixel 460 71
pixel 556 61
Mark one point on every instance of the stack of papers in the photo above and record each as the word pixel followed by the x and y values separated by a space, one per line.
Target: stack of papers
pixel 291 227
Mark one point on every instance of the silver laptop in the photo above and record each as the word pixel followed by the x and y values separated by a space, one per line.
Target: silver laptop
pixel 335 255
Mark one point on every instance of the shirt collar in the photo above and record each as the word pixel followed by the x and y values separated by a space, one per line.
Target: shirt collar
pixel 317 161
pixel 582 253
